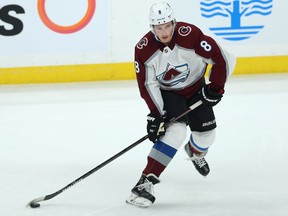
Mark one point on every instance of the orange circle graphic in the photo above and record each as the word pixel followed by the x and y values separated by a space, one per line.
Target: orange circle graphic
pixel 66 29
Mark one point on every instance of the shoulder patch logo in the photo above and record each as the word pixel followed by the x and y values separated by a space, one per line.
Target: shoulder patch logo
pixel 243 18
pixel 184 30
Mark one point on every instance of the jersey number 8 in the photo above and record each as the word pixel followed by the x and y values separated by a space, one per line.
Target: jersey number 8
pixel 137 69
pixel 206 46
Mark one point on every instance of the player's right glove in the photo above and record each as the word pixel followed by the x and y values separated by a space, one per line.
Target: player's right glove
pixel 155 126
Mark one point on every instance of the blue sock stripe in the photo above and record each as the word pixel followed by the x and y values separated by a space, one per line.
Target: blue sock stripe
pixel 198 148
pixel 165 149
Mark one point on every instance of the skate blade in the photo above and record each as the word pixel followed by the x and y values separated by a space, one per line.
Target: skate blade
pixel 138 201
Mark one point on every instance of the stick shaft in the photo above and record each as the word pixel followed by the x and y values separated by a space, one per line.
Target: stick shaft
pixel 50 196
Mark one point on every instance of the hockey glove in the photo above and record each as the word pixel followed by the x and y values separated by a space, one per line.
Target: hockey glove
pixel 211 95
pixel 155 126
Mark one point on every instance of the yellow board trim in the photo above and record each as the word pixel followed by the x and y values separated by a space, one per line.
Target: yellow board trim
pixel 122 71
pixel 261 65
pixel 67 73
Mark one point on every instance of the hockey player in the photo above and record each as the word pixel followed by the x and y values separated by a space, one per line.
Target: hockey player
pixel 170 63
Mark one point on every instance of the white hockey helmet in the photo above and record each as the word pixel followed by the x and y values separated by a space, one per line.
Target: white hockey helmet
pixel 160 13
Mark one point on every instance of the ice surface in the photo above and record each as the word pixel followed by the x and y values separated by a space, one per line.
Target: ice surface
pixel 52 134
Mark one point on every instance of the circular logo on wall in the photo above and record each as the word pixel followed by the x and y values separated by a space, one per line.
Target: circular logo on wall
pixel 66 29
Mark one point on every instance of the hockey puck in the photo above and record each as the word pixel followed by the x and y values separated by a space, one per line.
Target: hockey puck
pixel 34 205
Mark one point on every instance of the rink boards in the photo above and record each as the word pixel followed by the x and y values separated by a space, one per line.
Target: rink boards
pixel 122 71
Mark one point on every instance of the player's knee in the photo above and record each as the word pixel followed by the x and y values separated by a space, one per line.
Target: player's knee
pixel 175 135
pixel 201 141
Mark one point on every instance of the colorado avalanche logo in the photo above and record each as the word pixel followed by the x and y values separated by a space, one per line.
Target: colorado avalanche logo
pixel 173 75
pixel 184 30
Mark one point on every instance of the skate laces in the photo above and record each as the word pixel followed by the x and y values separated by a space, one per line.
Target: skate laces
pixel 200 161
pixel 147 185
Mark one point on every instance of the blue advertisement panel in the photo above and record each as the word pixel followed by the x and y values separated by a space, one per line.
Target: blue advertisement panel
pixel 248 27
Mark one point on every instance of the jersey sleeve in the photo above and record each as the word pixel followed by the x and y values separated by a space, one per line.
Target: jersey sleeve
pixel 148 85
pixel 222 62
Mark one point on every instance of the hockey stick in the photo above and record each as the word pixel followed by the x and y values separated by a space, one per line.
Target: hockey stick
pixel 35 202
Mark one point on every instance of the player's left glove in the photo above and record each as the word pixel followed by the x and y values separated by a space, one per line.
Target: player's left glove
pixel 155 126
pixel 211 95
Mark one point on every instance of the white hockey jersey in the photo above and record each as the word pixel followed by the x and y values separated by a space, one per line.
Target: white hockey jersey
pixel 181 66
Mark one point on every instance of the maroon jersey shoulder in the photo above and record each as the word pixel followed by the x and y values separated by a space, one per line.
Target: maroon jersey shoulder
pixel 187 35
pixel 146 47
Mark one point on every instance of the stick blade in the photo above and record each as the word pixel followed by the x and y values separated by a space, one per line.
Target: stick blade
pixel 35 202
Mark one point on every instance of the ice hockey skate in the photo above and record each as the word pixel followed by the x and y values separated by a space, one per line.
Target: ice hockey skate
pixel 198 160
pixel 143 193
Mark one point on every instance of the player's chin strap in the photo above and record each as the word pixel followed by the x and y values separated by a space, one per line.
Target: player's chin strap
pixel 35 202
